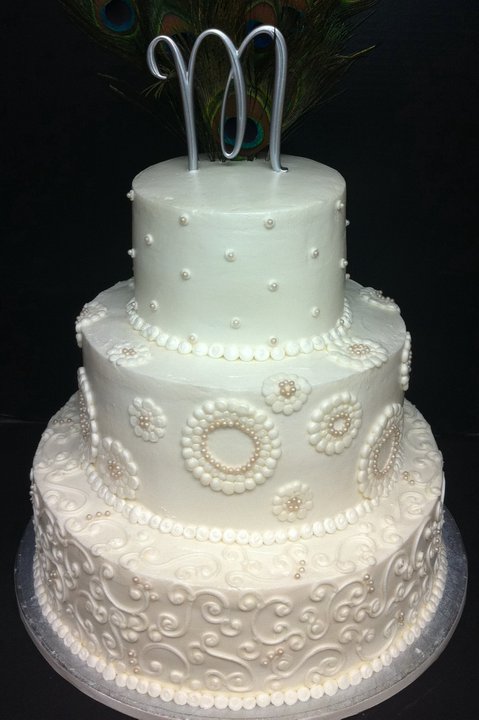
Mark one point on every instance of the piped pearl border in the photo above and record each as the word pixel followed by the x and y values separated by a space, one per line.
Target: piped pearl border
pixel 223 701
pixel 246 353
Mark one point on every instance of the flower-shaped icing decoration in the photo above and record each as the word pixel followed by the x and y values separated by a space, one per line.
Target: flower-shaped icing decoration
pixel 67 416
pixel 286 393
pixel 147 419
pixel 87 413
pixel 117 469
pixel 406 362
pixel 129 354
pixel 335 423
pixel 236 418
pixel 357 353
pixel 292 501
pixel 380 456
pixel 90 313
pixel 376 297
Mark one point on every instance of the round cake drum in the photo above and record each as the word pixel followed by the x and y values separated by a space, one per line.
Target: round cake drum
pixel 389 681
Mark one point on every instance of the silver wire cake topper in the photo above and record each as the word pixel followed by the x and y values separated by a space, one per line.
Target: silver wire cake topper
pixel 186 76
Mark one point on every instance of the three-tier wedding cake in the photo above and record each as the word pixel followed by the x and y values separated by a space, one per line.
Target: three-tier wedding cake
pixel 238 507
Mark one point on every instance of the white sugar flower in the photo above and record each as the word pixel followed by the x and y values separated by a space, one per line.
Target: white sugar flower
pixel 129 354
pixel 406 363
pixel 117 469
pixel 147 419
pixel 292 501
pixel 335 423
pixel 357 353
pixel 87 412
pixel 91 312
pixel 376 297
pixel 380 456
pixel 286 393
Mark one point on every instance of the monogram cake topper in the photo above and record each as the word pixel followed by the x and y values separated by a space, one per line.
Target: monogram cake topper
pixel 186 80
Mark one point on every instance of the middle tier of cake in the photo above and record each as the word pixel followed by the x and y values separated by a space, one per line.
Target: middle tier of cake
pixel 244 451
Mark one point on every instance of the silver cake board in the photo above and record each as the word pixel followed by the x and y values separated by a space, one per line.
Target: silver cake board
pixel 382 685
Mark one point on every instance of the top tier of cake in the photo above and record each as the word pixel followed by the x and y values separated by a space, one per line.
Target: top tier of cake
pixel 237 255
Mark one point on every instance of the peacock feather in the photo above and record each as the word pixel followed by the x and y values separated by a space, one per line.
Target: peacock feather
pixel 316 33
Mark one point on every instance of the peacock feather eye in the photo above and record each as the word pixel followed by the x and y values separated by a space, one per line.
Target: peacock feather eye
pixel 116 15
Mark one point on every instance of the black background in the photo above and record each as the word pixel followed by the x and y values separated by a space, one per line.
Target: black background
pixel 403 130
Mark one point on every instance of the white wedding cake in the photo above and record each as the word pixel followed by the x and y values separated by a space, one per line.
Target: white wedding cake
pixel 238 507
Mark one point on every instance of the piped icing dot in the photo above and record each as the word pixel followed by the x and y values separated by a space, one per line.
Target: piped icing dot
pixel 315 312
pixel 339 205
pixel 148 239
pixel 343 263
pixel 130 195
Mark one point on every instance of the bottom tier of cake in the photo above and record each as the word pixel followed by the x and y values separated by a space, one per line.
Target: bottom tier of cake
pixel 231 626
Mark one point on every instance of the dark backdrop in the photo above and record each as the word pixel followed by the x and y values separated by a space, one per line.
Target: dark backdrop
pixel 402 130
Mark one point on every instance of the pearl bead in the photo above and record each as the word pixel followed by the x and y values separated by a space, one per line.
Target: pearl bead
pixel 315 253
pixel 273 341
pixel 148 239
pixel 343 263
pixel 347 223
pixel 132 253
pixel 269 223
pixel 339 205
pixel 183 220
pixel 185 274
pixel 192 338
pixel 235 323
pixel 130 195
pixel 315 312
pixel 154 305
pixel 230 255
pixel 273 286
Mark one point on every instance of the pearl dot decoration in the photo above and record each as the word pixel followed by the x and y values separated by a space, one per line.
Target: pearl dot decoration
pixel 380 456
pixel 148 239
pixel 315 312
pixel 90 313
pixel 285 393
pixel 273 286
pixel 292 501
pixel 129 354
pixel 131 252
pixel 230 255
pixel 214 472
pixel 235 323
pixel 154 305
pixel 147 419
pixel 343 263
pixel 185 274
pixel 130 195
pixel 335 423
pixel 269 223
pixel 358 353
pixel 183 220
pixel 339 205
pixel 315 253
pixel 87 415
pixel 117 469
